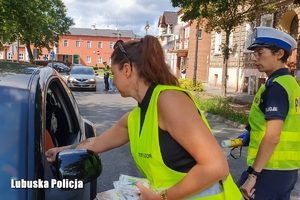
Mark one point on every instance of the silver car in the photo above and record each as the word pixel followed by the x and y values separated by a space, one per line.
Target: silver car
pixel 82 77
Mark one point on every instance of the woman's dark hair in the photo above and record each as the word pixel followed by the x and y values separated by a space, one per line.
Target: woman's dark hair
pixel 285 56
pixel 147 57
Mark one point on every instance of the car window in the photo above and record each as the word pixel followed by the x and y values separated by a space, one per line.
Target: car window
pixel 61 121
pixel 63 126
pixel 83 70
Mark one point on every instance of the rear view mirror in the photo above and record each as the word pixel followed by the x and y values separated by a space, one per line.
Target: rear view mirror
pixel 80 164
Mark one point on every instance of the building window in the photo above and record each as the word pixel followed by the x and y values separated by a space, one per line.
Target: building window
pixel 249 35
pixel 187 32
pixel 218 40
pixel 111 45
pixel 66 43
pixel 1 55
pixel 267 20
pixel 65 58
pixel 9 56
pixel 186 38
pixel 21 56
pixel 100 45
pixel 294 27
pixel 230 40
pixel 77 44
pixel 109 60
pixel 88 59
pixel 99 59
pixel 199 34
pixel 88 44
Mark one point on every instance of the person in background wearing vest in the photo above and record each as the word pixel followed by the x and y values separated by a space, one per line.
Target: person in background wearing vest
pixel 274 121
pixel 106 76
pixel 170 139
pixel 111 79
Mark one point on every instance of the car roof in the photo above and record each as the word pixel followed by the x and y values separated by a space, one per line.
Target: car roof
pixel 18 75
pixel 81 66
pixel 78 66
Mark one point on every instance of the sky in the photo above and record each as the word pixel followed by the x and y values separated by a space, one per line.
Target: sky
pixel 118 14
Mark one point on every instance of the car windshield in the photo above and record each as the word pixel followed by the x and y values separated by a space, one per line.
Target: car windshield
pixel 13 133
pixel 82 70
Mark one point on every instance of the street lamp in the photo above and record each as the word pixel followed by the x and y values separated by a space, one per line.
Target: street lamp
pixel 147 27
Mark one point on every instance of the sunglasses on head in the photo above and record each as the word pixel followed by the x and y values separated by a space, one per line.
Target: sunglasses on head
pixel 119 44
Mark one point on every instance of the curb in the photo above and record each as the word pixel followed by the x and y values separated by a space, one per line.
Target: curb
pixel 224 120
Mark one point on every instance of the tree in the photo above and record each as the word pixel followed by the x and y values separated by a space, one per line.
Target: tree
pixel 37 22
pixel 223 15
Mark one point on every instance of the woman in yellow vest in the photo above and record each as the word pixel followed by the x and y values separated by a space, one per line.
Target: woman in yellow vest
pixel 274 148
pixel 170 139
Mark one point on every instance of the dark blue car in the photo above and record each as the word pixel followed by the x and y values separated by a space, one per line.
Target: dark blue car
pixel 60 67
pixel 38 109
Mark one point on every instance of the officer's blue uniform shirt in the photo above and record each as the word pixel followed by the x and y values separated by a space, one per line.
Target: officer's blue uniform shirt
pixel 274 101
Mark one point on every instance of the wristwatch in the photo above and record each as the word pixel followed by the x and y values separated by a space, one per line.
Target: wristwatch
pixel 250 170
pixel 163 195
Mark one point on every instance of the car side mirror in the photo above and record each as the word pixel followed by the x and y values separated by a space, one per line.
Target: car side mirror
pixel 89 128
pixel 80 164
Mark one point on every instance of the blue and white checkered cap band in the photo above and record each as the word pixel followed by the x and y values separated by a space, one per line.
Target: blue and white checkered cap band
pixel 271 37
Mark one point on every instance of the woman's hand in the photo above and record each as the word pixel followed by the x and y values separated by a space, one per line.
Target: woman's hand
pixel 146 193
pixel 247 188
pixel 51 153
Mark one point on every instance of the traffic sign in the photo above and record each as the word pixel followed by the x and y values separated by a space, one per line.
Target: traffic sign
pixel 98 52
pixel 52 54
pixel 45 57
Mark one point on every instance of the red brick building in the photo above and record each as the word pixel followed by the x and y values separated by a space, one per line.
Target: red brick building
pixel 85 46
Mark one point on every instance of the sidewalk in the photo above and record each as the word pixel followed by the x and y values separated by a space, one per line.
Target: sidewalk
pixel 242 97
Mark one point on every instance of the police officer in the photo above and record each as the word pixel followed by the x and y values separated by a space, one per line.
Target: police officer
pixel 106 76
pixel 274 148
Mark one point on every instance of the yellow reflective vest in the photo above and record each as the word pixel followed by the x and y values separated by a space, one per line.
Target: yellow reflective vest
pixel 287 152
pixel 145 150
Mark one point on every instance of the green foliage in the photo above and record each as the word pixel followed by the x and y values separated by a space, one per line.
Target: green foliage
pixel 223 15
pixel 221 106
pixel 37 22
pixel 189 85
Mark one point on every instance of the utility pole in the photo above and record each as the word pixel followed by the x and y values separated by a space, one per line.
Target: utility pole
pixel 18 48
pixel 196 55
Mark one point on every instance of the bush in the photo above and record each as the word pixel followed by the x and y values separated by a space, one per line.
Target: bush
pixel 189 85
pixel 221 106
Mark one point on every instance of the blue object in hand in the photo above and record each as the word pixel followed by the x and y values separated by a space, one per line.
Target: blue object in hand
pixel 246 138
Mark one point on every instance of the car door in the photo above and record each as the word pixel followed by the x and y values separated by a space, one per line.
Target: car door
pixel 63 125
